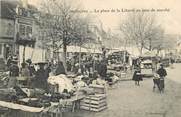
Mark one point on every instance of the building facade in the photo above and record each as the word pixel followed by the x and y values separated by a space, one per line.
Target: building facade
pixel 17 23
pixel 7 30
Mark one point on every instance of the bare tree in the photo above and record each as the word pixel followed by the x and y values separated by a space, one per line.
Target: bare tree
pixel 143 30
pixel 169 42
pixel 61 26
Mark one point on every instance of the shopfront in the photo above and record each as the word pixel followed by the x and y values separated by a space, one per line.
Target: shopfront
pixel 6 38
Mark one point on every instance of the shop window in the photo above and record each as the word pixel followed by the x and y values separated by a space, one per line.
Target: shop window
pixel 22 30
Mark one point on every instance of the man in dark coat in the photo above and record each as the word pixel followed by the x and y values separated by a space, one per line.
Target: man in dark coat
pixel 102 69
pixel 162 73
pixel 41 77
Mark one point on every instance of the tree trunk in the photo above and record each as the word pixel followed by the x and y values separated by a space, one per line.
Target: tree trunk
pixel 141 51
pixel 53 43
pixel 65 56
pixel 79 56
pixel 157 53
pixel 65 50
pixel 150 47
pixel 24 47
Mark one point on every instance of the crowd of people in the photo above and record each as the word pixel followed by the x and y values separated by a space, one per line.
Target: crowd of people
pixel 36 75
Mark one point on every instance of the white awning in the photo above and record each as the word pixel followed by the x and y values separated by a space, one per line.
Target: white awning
pixel 35 54
pixel 80 49
pixel 74 49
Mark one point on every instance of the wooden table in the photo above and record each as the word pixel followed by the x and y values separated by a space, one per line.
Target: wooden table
pixel 75 100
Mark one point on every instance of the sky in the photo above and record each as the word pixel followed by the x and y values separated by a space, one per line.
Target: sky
pixel 170 20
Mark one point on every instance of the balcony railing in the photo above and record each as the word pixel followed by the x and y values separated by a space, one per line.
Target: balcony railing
pixel 25 40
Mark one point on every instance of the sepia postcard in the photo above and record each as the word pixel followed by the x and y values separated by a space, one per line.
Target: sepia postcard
pixel 90 58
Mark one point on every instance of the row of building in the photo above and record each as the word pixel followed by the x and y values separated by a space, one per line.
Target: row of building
pixel 18 23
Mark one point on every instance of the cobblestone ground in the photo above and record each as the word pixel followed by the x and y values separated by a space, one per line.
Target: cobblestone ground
pixel 128 100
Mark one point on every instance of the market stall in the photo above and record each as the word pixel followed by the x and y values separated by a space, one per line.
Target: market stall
pixel 165 62
pixel 66 96
pixel 147 68
pixel 119 60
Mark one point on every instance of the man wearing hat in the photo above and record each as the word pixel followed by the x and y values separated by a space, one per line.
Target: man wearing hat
pixel 162 73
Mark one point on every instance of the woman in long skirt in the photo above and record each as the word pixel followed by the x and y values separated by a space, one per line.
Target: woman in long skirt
pixel 137 77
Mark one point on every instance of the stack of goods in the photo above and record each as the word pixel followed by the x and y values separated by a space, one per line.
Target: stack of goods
pixel 34 102
pixel 98 89
pixel 4 77
pixel 80 84
pixel 2 64
pixel 147 66
pixel 99 81
pixel 97 101
pixel 99 86
pixel 57 96
pixel 112 78
pixel 44 100
pixel 24 96
pixel 29 97
pixel 62 83
pixel 94 103
pixel 8 94
pixel 14 94
pixel 84 78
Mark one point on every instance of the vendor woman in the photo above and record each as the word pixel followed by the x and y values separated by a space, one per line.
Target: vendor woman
pixel 41 77
pixel 137 77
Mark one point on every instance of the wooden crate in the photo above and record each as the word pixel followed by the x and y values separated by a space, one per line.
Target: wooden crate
pixel 98 89
pixel 93 109
pixel 91 105
pixel 94 103
pixel 96 97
